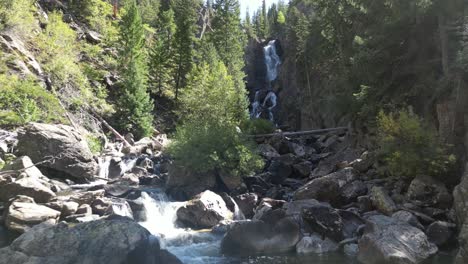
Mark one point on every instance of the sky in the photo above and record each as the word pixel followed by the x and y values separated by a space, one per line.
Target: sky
pixel 253 5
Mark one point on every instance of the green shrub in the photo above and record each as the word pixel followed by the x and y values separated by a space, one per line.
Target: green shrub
pixel 212 147
pixel 257 127
pixel 409 147
pixel 98 15
pixel 94 143
pixel 207 139
pixel 19 16
pixel 23 101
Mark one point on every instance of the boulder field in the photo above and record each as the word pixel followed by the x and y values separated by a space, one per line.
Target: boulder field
pixel 59 203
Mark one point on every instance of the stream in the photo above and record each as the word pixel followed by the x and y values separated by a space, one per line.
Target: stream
pixel 203 247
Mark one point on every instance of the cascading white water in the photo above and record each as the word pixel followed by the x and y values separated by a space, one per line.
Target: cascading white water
pixel 194 247
pixel 272 61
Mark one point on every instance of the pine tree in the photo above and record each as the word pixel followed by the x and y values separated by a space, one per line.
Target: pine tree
pixel 162 54
pixel 135 105
pixel 229 40
pixel 264 20
pixel 185 18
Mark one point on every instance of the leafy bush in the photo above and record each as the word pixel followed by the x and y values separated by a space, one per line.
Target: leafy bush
pixel 409 147
pixel 19 16
pixel 94 143
pixel 98 15
pixel 207 139
pixel 257 127
pixel 23 101
pixel 205 147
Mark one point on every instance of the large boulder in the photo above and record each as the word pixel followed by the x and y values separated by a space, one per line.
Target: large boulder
pixel 382 201
pixel 326 188
pixel 22 214
pixel 460 203
pixel 27 186
pixel 428 191
pixel 387 240
pixel 102 241
pixel 205 210
pixel 69 150
pixel 183 184
pixel 315 244
pixel 441 233
pixel 247 203
pixel 332 223
pixel 259 237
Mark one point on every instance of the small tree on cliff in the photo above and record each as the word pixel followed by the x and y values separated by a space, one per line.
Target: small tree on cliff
pixel 134 103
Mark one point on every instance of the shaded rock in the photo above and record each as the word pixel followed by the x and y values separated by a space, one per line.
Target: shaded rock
pixel 267 151
pixel 100 206
pixel 4 240
pixel 203 211
pixel 429 192
pixel 253 237
pixel 382 201
pixel 69 208
pixel 257 184
pixel 231 182
pixel 329 222
pixel 93 37
pixel 327 188
pixel 102 241
pixel 21 216
pixel 351 191
pixel 138 208
pixel 72 156
pixel 265 206
pixel 87 197
pixel 28 186
pixel 409 218
pixel 121 208
pixel 247 203
pixel 441 233
pixel 303 169
pixel 315 244
pixel 387 240
pixel 182 184
pixel 84 209
pixel 295 208
pixel 279 172
pixel 365 203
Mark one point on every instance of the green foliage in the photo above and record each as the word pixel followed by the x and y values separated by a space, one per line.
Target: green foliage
pixel 94 143
pixel 214 147
pixel 211 94
pixel 135 105
pixel 229 41
pixel 18 15
pixel 207 139
pixel 409 147
pixel 97 14
pixel 257 126
pixel 162 55
pixel 186 17
pixel 23 101
pixel 149 10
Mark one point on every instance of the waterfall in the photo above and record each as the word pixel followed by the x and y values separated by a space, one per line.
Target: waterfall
pixel 194 247
pixel 263 105
pixel 272 61
pixel 104 163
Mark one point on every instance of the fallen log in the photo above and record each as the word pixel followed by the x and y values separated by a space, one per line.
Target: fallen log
pixel 302 133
